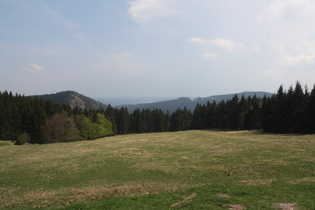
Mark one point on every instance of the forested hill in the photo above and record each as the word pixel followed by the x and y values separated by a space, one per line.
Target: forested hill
pixel 73 99
pixel 35 120
pixel 181 103
pixel 218 98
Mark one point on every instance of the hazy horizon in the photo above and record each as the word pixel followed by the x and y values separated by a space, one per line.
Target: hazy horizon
pixel 155 48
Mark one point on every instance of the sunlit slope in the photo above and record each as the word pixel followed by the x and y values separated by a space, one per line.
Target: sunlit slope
pixel 55 175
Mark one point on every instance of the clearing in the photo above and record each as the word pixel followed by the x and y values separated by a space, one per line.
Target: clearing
pixel 200 169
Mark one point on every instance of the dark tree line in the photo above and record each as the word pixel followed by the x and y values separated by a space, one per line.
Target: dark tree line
pixel 291 111
pixel 286 112
pixel 147 120
pixel 37 121
pixel 234 114
pixel 34 120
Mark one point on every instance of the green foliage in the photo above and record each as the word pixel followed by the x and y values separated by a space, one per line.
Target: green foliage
pixel 85 126
pixel 33 120
pixel 103 126
pixel 22 139
pixel 90 130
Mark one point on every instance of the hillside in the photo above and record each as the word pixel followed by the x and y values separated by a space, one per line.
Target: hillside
pixel 172 105
pixel 214 169
pixel 74 99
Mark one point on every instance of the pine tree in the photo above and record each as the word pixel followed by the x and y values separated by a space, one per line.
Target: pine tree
pixel 197 117
pixel 310 119
pixel 123 121
pixel 300 104
pixel 221 115
pixel 233 113
pixel 136 125
pixel 253 115
pixel 167 121
pixel 111 116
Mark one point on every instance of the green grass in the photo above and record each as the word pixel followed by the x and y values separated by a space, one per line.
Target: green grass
pixel 5 143
pixel 186 170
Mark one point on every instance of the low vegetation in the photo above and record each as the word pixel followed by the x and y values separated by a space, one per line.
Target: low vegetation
pixel 201 169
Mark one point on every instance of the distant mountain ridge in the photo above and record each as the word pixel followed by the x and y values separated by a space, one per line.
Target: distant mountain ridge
pixel 73 99
pixel 116 101
pixel 172 105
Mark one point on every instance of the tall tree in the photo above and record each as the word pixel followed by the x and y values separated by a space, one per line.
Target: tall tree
pixel 104 127
pixel 311 112
pixel 59 128
pixel 300 107
pixel 253 115
pixel 167 121
pixel 233 113
pixel 111 116
pixel 123 121
pixel 136 122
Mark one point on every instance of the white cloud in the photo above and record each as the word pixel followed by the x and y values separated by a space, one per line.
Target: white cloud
pixel 300 58
pixel 198 40
pixel 293 61
pixel 143 11
pixel 301 53
pixel 274 10
pixel 226 44
pixel 288 9
pixel 32 67
pixel 289 29
pixel 210 56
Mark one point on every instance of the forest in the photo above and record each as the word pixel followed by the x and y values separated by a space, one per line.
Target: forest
pixel 34 120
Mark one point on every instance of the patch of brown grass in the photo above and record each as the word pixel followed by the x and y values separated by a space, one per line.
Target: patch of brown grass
pixel 286 206
pixel 256 182
pixel 236 207
pixel 186 199
pixel 223 195
pixel 46 199
pixel 306 180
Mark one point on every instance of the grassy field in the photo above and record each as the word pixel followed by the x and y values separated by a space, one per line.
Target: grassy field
pixel 178 170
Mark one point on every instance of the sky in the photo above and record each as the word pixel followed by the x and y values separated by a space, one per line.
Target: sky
pixel 155 48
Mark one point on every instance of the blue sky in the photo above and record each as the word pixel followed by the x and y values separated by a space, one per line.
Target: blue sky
pixel 156 48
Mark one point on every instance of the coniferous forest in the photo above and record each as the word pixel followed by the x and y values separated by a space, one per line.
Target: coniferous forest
pixel 33 120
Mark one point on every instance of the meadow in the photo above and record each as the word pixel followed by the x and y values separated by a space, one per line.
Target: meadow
pixel 200 169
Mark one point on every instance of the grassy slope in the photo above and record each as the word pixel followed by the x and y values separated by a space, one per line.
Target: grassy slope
pixel 192 169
